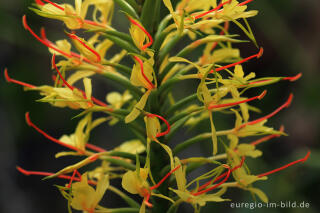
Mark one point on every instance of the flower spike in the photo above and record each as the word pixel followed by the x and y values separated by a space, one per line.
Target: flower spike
pixel 258 55
pixel 48 136
pixel 238 102
pixel 145 31
pixel 10 80
pixel 152 86
pixel 59 73
pixel 165 121
pixel 302 160
pixel 285 105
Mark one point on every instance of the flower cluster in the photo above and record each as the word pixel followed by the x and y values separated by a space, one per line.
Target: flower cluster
pixel 145 100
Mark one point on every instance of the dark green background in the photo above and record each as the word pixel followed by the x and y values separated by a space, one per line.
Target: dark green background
pixel 289 31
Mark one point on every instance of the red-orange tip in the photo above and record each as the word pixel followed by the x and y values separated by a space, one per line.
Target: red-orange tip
pixel 262 94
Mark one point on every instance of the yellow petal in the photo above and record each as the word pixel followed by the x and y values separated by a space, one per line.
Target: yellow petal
pixel 140 105
pixel 87 87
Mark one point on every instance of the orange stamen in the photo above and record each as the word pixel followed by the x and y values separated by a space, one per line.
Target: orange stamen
pixel 72 178
pixel 145 31
pixel 215 186
pixel 10 80
pixel 165 121
pixel 293 78
pixel 285 105
pixel 258 55
pixel 54 4
pixel 45 42
pixel 302 160
pixel 50 137
pixel 151 85
pixel 165 177
pixel 222 175
pixel 146 200
pixel 74 37
pixel 95 148
pixel 210 11
pixel 67 177
pixel 214 106
pixel 245 2
pixel 39 2
pixel 55 66
pixel 266 138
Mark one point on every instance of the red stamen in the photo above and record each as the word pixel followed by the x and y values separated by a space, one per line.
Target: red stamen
pixel 145 31
pixel 151 86
pixel 94 157
pixel 215 186
pixel 74 37
pixel 222 175
pixel 245 2
pixel 164 178
pixel 293 78
pixel 72 178
pixel 210 11
pixel 25 172
pixel 39 2
pixel 94 23
pixel 165 121
pixel 45 42
pixel 302 160
pixel 10 80
pixel 55 66
pixel 54 4
pixel 146 201
pixel 266 138
pixel 95 148
pixel 285 105
pixel 238 102
pixel 50 137
pixel 258 55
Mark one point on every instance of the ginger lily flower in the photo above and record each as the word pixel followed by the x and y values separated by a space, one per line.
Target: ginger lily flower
pixel 75 17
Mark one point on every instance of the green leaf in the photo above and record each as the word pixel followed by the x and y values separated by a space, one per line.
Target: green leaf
pixel 150 14
pixel 124 44
pixel 126 7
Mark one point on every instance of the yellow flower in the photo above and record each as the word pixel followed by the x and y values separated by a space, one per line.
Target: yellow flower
pixel 85 197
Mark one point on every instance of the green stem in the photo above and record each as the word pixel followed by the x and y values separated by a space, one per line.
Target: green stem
pixel 119 162
pixel 125 197
pixel 197 139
